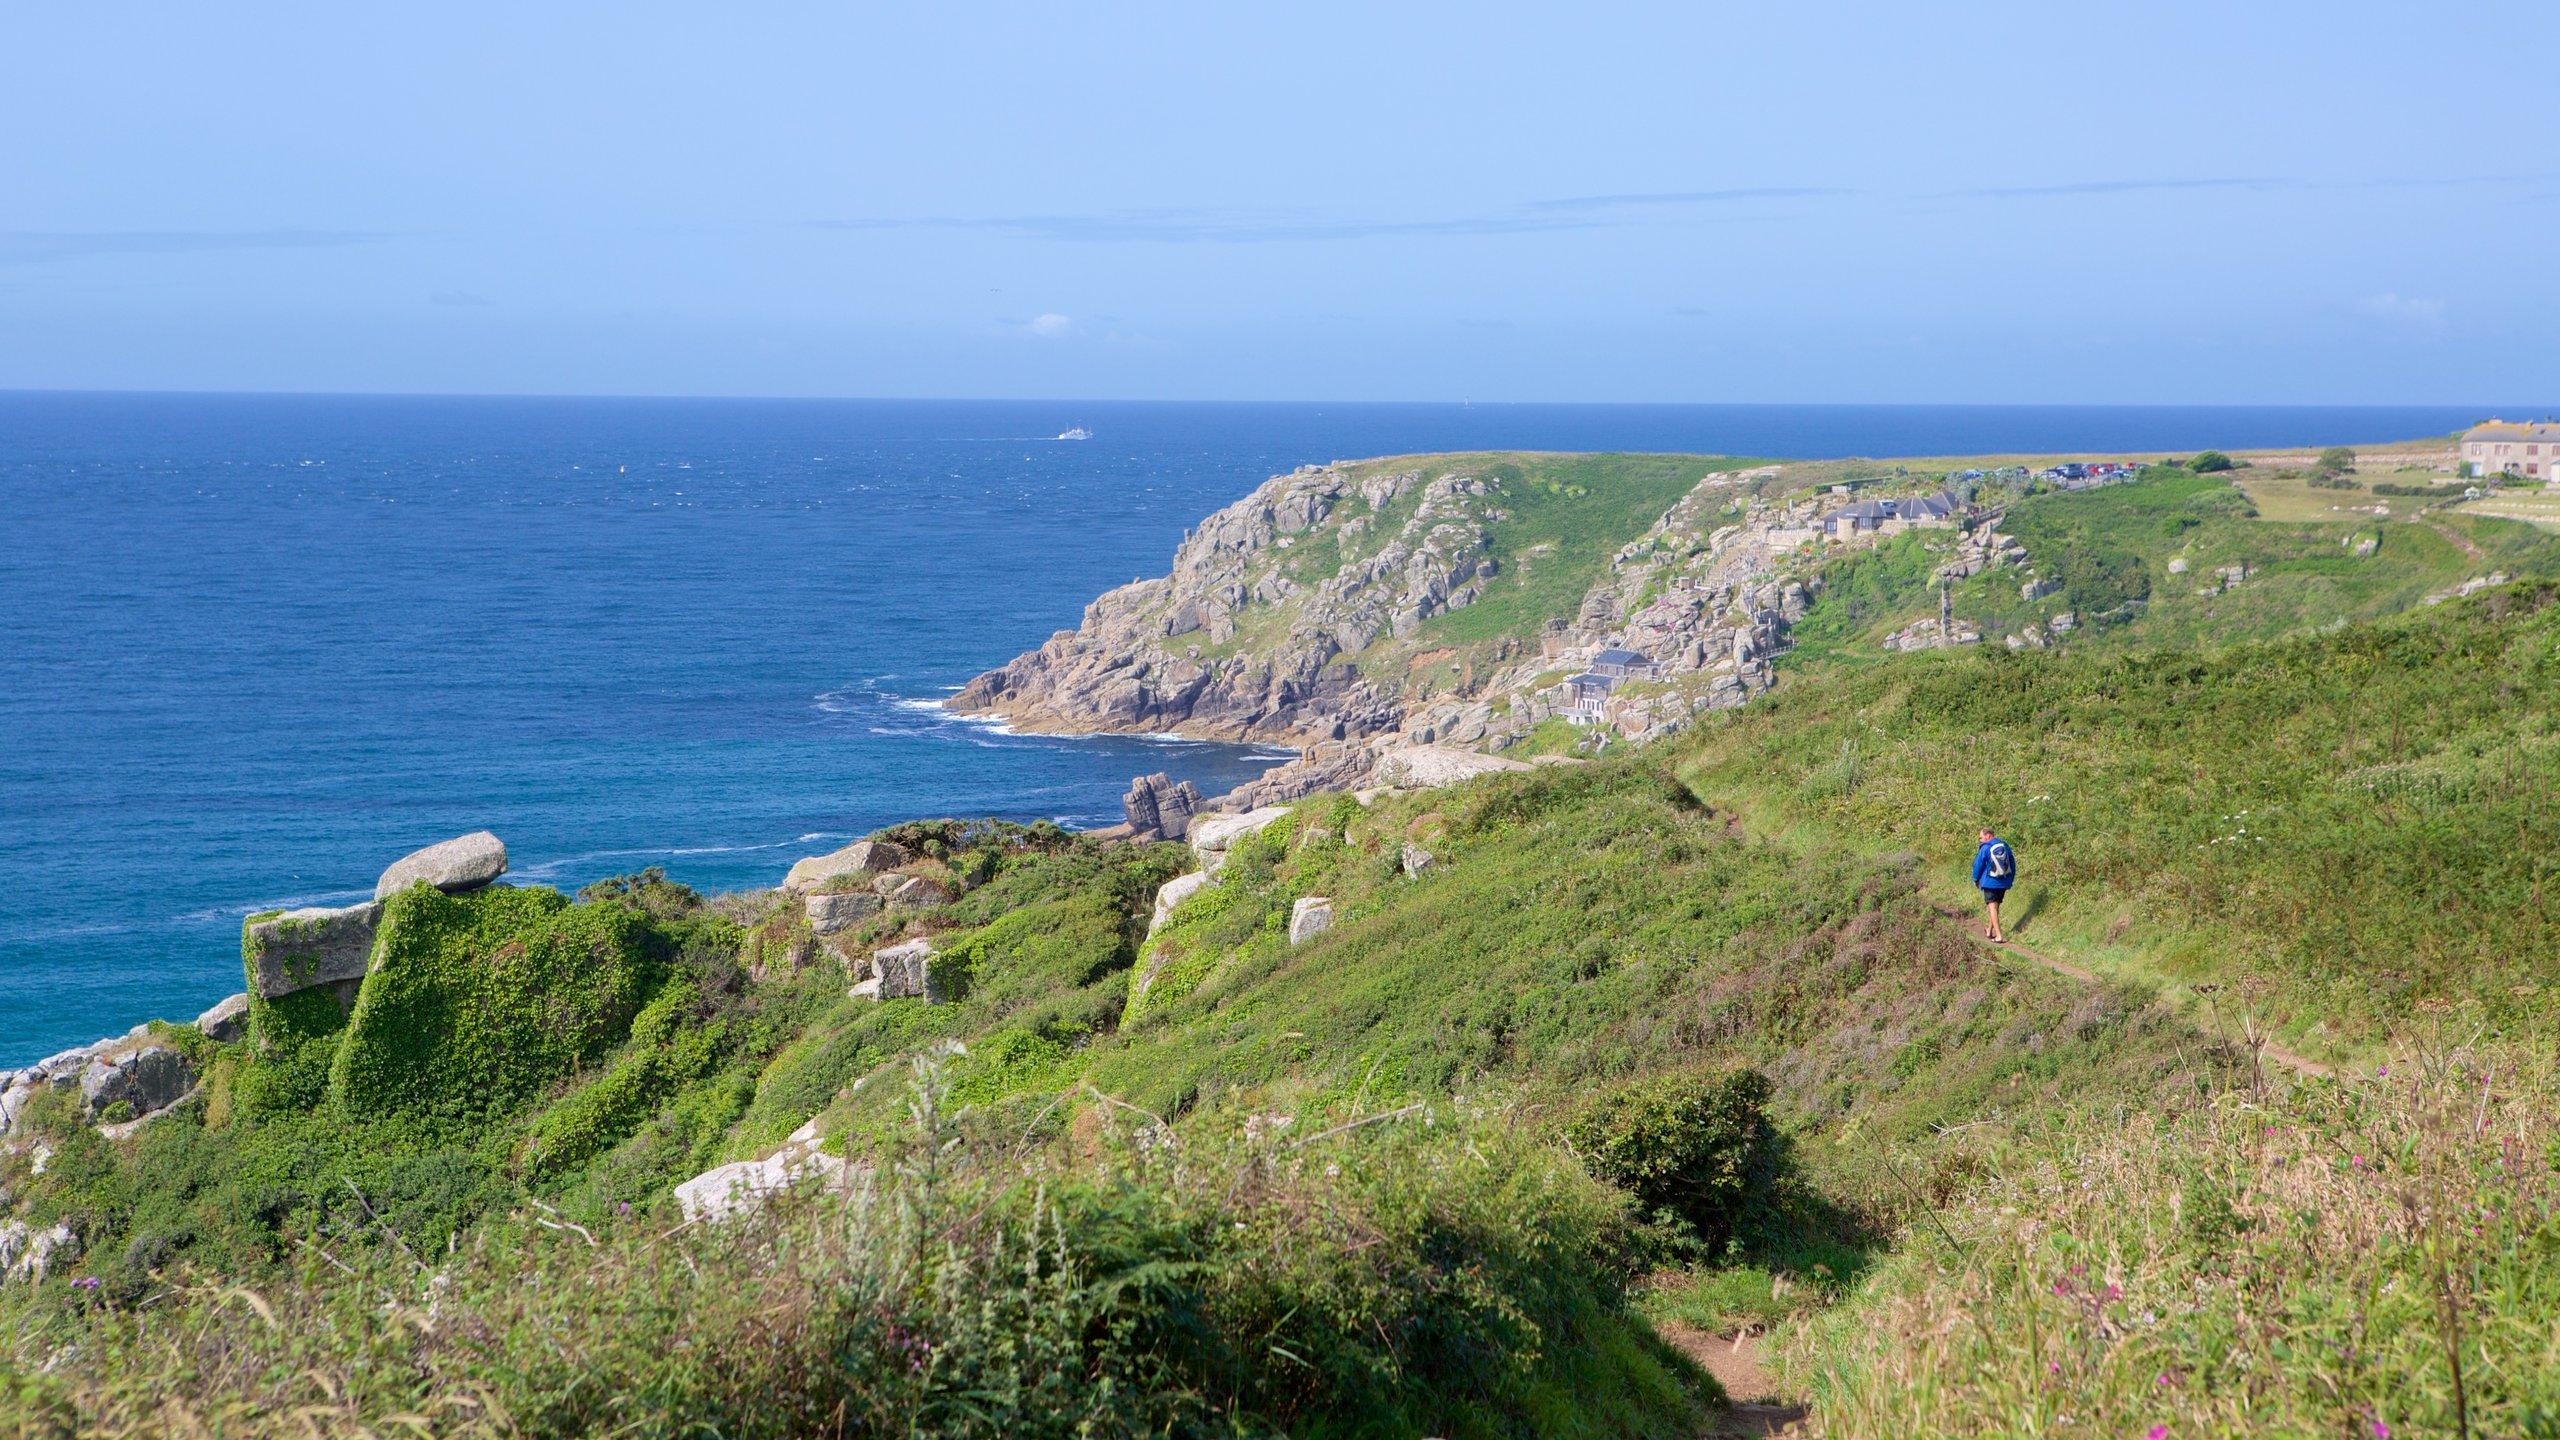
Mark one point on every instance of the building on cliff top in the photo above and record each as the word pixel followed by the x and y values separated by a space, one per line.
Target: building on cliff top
pixel 2527 448
pixel 1890 516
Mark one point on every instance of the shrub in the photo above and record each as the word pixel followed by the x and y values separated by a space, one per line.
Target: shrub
pixel 1694 1149
pixel 2211 462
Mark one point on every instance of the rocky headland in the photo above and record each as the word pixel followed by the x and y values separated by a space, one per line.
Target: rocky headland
pixel 1336 609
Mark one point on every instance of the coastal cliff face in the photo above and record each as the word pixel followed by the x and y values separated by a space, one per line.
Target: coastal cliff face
pixel 1255 634
pixel 1359 608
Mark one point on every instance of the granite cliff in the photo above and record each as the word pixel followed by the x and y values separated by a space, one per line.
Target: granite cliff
pixel 1360 608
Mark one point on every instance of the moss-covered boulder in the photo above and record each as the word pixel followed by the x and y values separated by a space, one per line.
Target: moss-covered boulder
pixel 476 1002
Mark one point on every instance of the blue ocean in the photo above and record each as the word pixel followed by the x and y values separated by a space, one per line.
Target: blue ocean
pixel 252 649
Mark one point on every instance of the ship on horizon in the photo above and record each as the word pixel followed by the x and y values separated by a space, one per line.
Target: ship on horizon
pixel 1075 432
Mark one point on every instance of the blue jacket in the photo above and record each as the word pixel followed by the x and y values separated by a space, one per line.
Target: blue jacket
pixel 1982 876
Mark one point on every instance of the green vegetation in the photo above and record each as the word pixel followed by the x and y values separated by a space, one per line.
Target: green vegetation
pixel 2208 462
pixel 2377 1257
pixel 2139 565
pixel 2339 831
pixel 1688 1032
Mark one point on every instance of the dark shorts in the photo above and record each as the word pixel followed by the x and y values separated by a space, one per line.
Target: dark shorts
pixel 1994 897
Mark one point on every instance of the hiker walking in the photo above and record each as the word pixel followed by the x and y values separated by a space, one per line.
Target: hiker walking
pixel 1995 869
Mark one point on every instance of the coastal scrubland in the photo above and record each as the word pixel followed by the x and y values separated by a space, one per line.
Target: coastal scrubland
pixel 1694 1031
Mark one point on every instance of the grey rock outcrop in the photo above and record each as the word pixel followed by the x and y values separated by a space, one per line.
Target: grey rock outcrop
pixel 906 972
pixel 862 857
pixel 834 912
pixel 731 1190
pixel 227 1021
pixel 303 948
pixel 34 1255
pixel 465 862
pixel 1171 894
pixel 1429 766
pixel 1160 809
pixel 1309 918
pixel 144 1081
pixel 1413 860
pixel 1212 835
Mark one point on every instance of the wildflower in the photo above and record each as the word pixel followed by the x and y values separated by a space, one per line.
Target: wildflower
pixel 2163 1380
pixel 2381 1431
pixel 86 1282
pixel 2156 1432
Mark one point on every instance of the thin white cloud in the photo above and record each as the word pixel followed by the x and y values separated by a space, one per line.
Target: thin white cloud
pixel 2404 309
pixel 24 247
pixel 1049 326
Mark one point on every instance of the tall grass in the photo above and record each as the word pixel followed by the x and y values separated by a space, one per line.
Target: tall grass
pixel 1389 1279
pixel 2373 1257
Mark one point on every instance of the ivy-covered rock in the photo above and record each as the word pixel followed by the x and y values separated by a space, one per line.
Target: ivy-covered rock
pixel 477 1001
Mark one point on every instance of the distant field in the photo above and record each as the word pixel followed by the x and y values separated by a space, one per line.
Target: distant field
pixel 2288 495
pixel 2534 507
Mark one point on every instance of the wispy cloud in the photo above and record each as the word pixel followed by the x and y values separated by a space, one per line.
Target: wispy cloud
pixel 1209 227
pixel 2259 183
pixel 1667 199
pixel 1050 326
pixel 2403 309
pixel 1261 227
pixel 28 247
pixel 2121 187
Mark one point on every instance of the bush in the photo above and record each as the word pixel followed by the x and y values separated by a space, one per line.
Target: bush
pixel 2211 462
pixel 1694 1149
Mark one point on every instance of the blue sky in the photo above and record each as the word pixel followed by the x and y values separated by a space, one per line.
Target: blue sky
pixel 2157 202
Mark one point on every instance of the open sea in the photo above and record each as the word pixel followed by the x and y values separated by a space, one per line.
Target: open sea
pixel 253 649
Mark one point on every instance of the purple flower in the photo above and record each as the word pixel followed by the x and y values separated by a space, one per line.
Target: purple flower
pixel 2156 1432
pixel 2381 1431
pixel 86 1282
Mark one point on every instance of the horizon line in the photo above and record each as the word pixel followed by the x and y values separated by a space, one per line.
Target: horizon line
pixel 193 392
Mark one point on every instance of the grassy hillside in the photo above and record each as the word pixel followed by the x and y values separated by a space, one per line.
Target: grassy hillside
pixel 2337 833
pixel 1684 1033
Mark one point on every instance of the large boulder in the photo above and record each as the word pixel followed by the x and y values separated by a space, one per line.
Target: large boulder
pixel 1424 767
pixel 303 948
pixel 144 1081
pixel 465 862
pixel 832 912
pixel 1160 809
pixel 730 1190
pixel 859 858
pixel 1309 918
pixel 1211 835
pixel 906 972
pixel 227 1021
pixel 1172 893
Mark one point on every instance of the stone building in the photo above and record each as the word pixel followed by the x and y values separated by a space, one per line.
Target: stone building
pixel 2530 449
